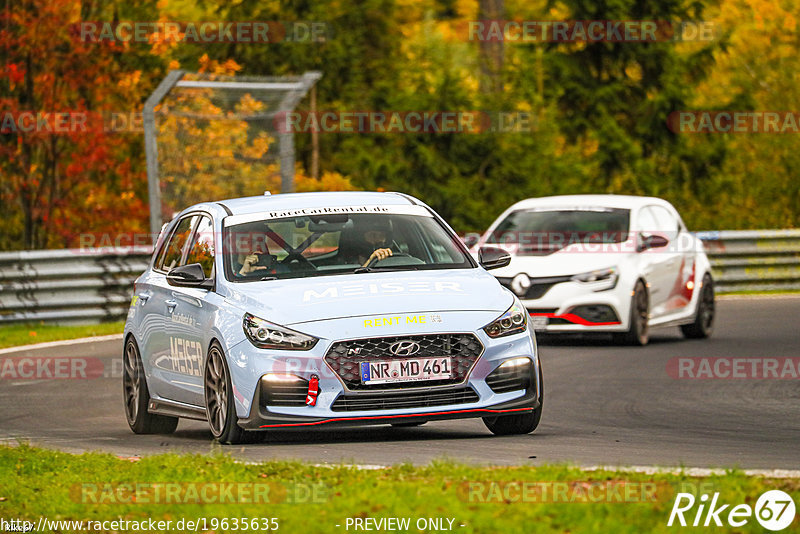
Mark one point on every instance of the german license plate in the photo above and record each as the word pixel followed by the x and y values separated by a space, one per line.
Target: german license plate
pixel 384 372
pixel 538 322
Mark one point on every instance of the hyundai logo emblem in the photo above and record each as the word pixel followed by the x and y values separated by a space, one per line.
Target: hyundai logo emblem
pixel 404 348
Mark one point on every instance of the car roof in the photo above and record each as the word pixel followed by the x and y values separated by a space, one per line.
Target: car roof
pixel 606 201
pixel 289 201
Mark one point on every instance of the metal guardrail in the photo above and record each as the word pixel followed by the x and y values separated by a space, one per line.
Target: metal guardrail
pixel 68 286
pixel 93 285
pixel 754 260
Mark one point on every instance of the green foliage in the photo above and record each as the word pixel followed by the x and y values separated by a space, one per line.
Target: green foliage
pixel 600 109
pixel 36 482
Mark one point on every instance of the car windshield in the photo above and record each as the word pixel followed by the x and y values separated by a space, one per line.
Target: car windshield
pixel 542 230
pixel 319 245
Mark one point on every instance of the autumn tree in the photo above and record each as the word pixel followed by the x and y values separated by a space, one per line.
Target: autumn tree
pixel 56 181
pixel 759 70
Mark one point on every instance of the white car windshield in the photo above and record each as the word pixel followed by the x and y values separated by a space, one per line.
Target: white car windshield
pixel 319 245
pixel 541 230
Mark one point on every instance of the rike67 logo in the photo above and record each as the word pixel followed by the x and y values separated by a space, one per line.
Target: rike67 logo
pixel 774 510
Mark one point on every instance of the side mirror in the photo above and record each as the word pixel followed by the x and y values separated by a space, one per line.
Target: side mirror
pixel 493 257
pixel 191 275
pixel 470 240
pixel 653 241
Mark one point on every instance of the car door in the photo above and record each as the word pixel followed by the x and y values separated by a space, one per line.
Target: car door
pixel 678 262
pixel 655 262
pixel 164 376
pixel 149 317
pixel 190 316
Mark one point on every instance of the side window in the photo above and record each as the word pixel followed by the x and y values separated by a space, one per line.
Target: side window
pixel 665 222
pixel 162 248
pixel 647 221
pixel 645 224
pixel 202 247
pixel 174 249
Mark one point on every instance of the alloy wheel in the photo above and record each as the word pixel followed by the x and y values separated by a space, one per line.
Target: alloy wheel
pixel 131 381
pixel 216 384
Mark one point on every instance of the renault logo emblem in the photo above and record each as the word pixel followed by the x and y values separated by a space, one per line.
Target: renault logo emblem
pixel 404 348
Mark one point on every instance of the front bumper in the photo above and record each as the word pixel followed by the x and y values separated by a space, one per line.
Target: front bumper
pixel 261 417
pixel 259 407
pixel 570 307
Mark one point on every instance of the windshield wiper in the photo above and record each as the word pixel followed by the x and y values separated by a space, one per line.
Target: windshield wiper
pixel 265 278
pixel 360 270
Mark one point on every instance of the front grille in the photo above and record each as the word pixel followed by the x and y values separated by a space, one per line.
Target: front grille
pixel 597 313
pixel 539 286
pixel 396 400
pixel 284 393
pixel 539 311
pixel 510 378
pixel 344 357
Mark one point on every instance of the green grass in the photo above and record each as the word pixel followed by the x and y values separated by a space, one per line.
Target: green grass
pixel 36 482
pixel 25 334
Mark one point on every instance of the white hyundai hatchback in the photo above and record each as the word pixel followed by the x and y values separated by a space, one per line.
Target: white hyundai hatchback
pixel 605 263
pixel 312 309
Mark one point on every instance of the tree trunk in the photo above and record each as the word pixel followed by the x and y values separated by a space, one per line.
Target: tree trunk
pixel 491 51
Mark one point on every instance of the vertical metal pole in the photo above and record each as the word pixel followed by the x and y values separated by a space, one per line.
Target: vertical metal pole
pixel 153 185
pixel 286 149
pixel 286 139
pixel 151 149
pixel 314 137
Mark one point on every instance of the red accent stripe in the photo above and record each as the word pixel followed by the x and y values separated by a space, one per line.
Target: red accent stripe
pixel 338 419
pixel 571 317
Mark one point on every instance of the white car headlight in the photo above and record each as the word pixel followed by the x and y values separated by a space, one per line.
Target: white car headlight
pixel 513 321
pixel 266 335
pixel 601 279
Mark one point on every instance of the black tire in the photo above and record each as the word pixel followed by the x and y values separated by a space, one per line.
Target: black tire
pixel 638 333
pixel 220 408
pixel 703 325
pixel 506 425
pixel 408 425
pixel 136 396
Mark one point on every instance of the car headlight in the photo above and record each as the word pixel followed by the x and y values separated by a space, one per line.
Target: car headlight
pixel 513 321
pixel 601 280
pixel 266 335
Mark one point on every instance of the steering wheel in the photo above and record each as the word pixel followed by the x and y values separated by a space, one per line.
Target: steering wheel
pixel 373 261
pixel 293 257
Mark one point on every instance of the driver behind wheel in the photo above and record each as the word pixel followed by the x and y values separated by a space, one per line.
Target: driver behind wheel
pixel 370 242
pixel 256 261
pixel 250 252
pixel 378 239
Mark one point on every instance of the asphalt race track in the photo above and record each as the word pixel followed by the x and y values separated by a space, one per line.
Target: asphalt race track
pixel 604 405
